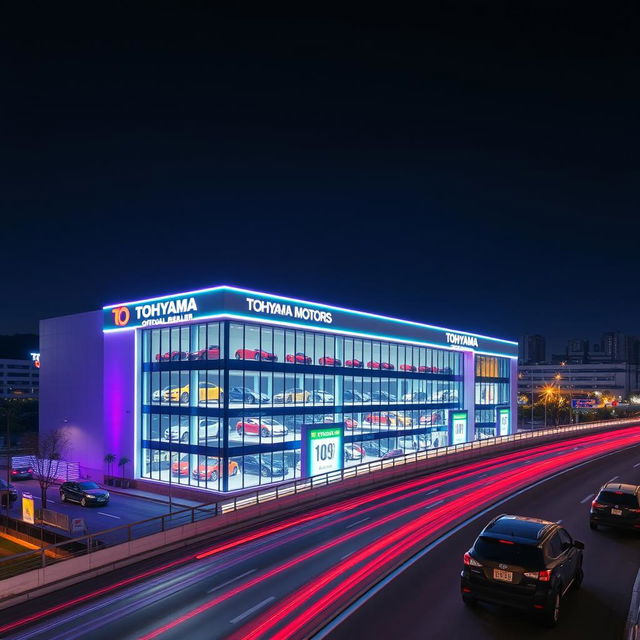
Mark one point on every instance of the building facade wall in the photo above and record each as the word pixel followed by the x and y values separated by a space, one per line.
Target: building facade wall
pixel 71 395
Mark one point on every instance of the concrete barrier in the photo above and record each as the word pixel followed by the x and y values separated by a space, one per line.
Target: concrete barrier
pixel 38 582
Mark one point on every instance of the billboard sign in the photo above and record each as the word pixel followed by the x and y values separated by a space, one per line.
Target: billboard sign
pixel 458 422
pixel 503 421
pixel 322 449
pixel 28 509
pixel 584 403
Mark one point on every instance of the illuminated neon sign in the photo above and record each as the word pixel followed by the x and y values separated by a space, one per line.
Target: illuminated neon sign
pixel 244 304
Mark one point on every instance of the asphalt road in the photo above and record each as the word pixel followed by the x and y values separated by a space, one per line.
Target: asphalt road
pixel 424 601
pixel 283 580
pixel 122 509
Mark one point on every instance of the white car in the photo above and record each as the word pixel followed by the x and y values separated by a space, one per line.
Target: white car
pixel 207 428
pixel 353 452
pixel 322 397
pixel 158 394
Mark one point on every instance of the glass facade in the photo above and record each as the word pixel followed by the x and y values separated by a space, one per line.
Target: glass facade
pixel 222 403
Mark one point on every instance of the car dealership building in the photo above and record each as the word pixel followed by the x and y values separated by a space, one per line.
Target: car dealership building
pixel 226 388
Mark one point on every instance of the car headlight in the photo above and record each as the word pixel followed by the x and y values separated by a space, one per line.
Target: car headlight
pixel 89 497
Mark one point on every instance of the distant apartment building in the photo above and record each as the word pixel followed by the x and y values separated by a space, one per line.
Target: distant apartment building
pixel 609 366
pixel 533 349
pixel 19 378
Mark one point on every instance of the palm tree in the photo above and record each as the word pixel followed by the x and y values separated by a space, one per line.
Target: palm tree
pixel 123 462
pixel 109 459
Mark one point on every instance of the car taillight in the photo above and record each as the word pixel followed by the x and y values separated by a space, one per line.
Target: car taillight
pixel 29 470
pixel 634 510
pixel 14 472
pixel 596 505
pixel 471 562
pixel 541 576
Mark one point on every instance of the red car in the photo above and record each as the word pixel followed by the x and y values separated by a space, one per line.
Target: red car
pixel 373 364
pixel 299 358
pixel 212 352
pixel 171 355
pixel 266 427
pixel 407 367
pixel 424 369
pixel 434 418
pixel 349 423
pixel 353 363
pixel 255 354
pixel 328 361
pixel 393 453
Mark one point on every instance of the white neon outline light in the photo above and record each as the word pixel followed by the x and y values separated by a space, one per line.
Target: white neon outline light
pixel 307 302
pixel 344 332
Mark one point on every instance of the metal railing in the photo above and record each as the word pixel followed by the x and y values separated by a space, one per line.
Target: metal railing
pixel 12 565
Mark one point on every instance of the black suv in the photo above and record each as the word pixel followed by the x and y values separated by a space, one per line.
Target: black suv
pixel 525 563
pixel 616 505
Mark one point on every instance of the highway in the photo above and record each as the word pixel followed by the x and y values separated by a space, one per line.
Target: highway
pixel 286 579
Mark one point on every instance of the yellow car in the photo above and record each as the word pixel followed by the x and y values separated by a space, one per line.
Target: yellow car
pixel 292 395
pixel 207 392
pixel 396 420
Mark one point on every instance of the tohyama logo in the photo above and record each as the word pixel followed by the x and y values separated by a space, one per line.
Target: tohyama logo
pixel 166 312
pixel 461 340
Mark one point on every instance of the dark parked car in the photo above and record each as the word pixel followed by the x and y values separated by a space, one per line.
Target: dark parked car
pixel 267 467
pixel 351 395
pixel 242 394
pixel 524 563
pixel 373 449
pixel 382 396
pixel 7 490
pixel 22 473
pixel 87 493
pixel 616 505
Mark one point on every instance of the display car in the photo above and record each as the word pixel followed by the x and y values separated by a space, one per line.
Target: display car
pixel 415 396
pixel 207 428
pixel 210 470
pixel 299 358
pixel 172 355
pixel 349 423
pixel 256 354
pixel 431 418
pixel 356 364
pixel 408 367
pixel 353 452
pixel 265 427
pixel 525 563
pixel 22 473
pixel 292 395
pixel 244 394
pixel 382 397
pixel 616 505
pixel 388 418
pixel 180 468
pixel 212 352
pixel 373 449
pixel 207 392
pixel 374 364
pixel 322 397
pixel 267 467
pixel 87 493
pixel 392 453
pixel 351 395
pixel 428 369
pixel 328 361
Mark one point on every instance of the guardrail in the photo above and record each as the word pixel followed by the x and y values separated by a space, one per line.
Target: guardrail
pixel 40 558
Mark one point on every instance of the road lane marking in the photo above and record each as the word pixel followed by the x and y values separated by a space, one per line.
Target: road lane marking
pixel 435 504
pixel 109 515
pixel 346 555
pixel 612 479
pixel 558 521
pixel 248 612
pixel 432 492
pixel 224 584
pixel 587 498
pixel 635 466
pixel 484 475
pixel 353 524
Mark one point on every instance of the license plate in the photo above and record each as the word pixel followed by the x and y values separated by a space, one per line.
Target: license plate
pixel 505 576
pixel 616 512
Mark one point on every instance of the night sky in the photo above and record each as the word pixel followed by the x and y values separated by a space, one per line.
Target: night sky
pixel 476 168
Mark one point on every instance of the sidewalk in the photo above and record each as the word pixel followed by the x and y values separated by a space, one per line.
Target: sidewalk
pixel 155 497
